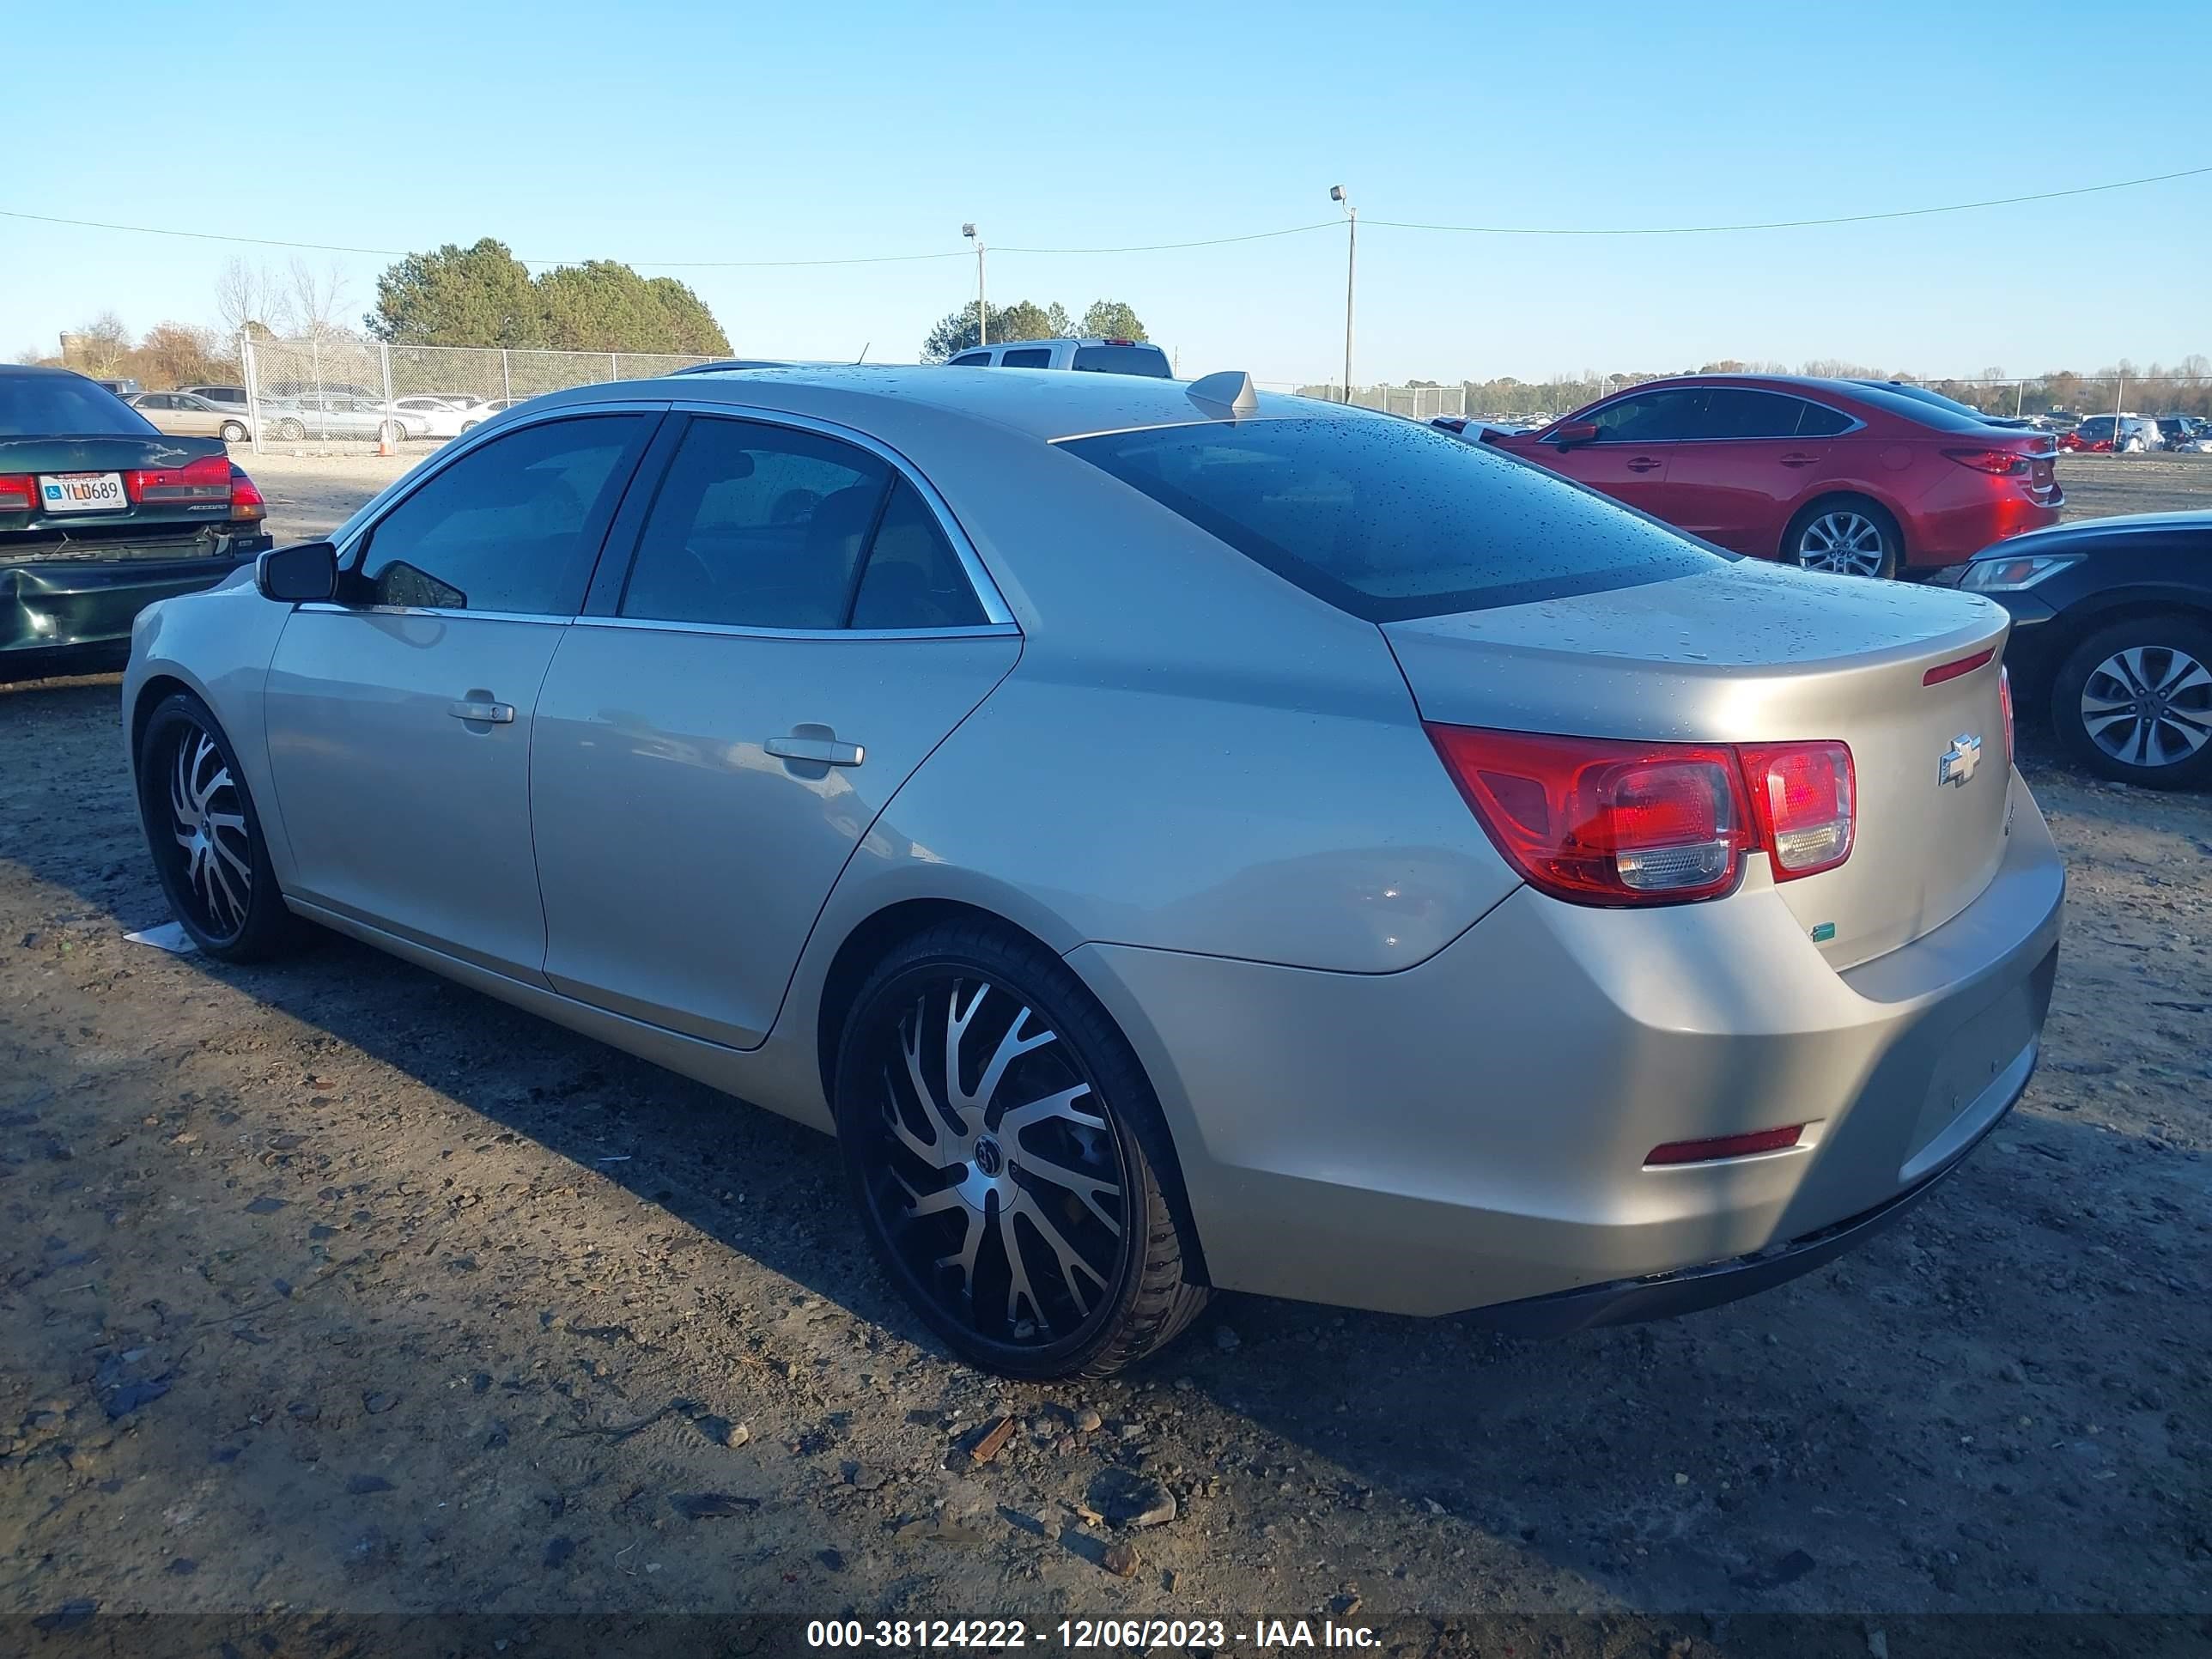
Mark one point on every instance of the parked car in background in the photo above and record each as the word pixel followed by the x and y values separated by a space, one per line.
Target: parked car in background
pixel 2185 434
pixel 1831 475
pixel 1097 782
pixel 477 414
pixel 336 415
pixel 183 415
pixel 100 516
pixel 1100 356
pixel 442 417
pixel 2112 634
pixel 320 388
pixel 120 388
pixel 2106 435
pixel 1936 399
pixel 234 395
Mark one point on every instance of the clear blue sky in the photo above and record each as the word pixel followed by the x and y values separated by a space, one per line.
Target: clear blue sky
pixel 654 131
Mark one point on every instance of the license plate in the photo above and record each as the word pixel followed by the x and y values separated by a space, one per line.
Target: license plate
pixel 81 492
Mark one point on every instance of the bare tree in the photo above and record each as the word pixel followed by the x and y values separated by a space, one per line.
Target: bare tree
pixel 245 297
pixel 314 301
pixel 101 343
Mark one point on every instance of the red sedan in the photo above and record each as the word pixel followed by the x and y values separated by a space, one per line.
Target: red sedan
pixel 1832 474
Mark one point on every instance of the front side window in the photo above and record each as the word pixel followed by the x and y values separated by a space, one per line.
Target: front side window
pixel 1388 518
pixel 512 526
pixel 1651 417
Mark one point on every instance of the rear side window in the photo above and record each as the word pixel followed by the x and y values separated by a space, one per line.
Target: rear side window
pixel 514 526
pixel 1147 360
pixel 1388 518
pixel 1029 357
pixel 1819 421
pixel 64 406
pixel 913 579
pixel 1738 412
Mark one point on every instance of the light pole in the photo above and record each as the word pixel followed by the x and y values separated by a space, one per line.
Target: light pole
pixel 982 308
pixel 1351 270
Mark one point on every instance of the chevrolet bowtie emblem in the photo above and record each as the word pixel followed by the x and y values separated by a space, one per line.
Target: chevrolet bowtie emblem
pixel 1960 759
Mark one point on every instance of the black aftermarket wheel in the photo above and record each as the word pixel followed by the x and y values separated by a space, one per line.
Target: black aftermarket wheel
pixel 994 1125
pixel 205 836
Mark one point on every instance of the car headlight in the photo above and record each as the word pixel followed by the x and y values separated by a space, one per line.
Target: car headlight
pixel 2011 574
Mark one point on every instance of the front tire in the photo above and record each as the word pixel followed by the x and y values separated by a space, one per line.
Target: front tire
pixel 2133 701
pixel 233 433
pixel 291 431
pixel 1845 536
pixel 205 836
pixel 1004 1148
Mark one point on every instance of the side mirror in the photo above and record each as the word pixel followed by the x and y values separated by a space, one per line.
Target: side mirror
pixel 298 576
pixel 1568 434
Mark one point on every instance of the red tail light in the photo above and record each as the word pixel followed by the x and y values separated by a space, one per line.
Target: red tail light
pixel 1599 821
pixel 196 483
pixel 1999 461
pixel 1805 796
pixel 245 501
pixel 19 493
pixel 2004 696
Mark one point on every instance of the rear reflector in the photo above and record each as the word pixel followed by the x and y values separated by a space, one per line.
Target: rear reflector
pixel 1804 796
pixel 1599 821
pixel 2004 696
pixel 1952 670
pixel 19 492
pixel 1722 1146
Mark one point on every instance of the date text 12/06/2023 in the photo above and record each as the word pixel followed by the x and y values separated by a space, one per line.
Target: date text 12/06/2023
pixel 1084 1635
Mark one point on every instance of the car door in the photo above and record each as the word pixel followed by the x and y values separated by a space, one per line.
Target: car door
pixel 155 406
pixel 800 625
pixel 399 720
pixel 194 418
pixel 1628 459
pixel 1743 462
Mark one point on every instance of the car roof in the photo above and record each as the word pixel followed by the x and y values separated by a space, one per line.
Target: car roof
pixel 1042 403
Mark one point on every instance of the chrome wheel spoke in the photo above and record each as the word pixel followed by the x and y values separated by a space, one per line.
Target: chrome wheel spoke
pixel 1085 1188
pixel 1062 1105
pixel 1073 1266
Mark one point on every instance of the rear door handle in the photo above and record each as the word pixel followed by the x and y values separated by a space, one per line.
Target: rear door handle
pixel 1799 460
pixel 1644 464
pixel 491 714
pixel 823 752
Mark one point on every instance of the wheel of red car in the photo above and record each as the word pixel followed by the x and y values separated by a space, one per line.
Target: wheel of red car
pixel 2134 701
pixel 1846 536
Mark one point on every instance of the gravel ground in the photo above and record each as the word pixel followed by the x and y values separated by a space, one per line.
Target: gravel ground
pixel 333 1286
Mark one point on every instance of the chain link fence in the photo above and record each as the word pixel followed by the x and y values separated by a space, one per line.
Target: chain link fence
pixel 340 394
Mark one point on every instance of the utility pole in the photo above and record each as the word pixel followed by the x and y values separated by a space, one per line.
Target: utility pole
pixel 1351 272
pixel 983 304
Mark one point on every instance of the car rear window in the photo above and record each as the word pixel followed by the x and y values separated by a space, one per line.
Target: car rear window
pixel 64 406
pixel 1389 518
pixel 1123 360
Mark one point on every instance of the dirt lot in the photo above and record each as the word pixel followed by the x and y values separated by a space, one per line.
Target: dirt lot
pixel 331 1286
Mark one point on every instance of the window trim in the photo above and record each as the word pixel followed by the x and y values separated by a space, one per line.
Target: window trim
pixel 998 618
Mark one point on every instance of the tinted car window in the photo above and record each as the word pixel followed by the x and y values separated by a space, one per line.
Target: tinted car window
pixel 913 579
pixel 1651 416
pixel 1390 518
pixel 755 526
pixel 512 526
pixel 65 405
pixel 1147 360
pixel 1030 357
pixel 1819 421
pixel 1740 412
pixel 972 360
pixel 1941 414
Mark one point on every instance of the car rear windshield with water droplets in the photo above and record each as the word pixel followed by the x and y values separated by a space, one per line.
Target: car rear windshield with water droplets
pixel 1389 518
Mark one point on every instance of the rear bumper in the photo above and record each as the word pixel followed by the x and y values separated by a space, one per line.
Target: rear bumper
pixel 60 615
pixel 1961 516
pixel 1472 1132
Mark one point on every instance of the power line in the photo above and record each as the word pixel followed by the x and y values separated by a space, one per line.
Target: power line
pixel 1161 248
pixel 1791 224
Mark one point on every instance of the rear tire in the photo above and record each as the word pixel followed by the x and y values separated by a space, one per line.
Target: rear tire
pixel 1004 1148
pixel 206 839
pixel 2133 703
pixel 1847 535
pixel 291 431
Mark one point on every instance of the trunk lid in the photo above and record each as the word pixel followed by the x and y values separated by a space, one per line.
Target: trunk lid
pixel 1751 652
pixel 46 534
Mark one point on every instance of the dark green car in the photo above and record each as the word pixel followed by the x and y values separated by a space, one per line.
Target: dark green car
pixel 101 515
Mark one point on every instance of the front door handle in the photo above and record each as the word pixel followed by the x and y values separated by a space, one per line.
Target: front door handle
pixel 1644 464
pixel 491 714
pixel 823 751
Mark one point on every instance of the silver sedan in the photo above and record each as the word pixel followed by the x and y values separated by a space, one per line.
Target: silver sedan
pixel 1177 839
